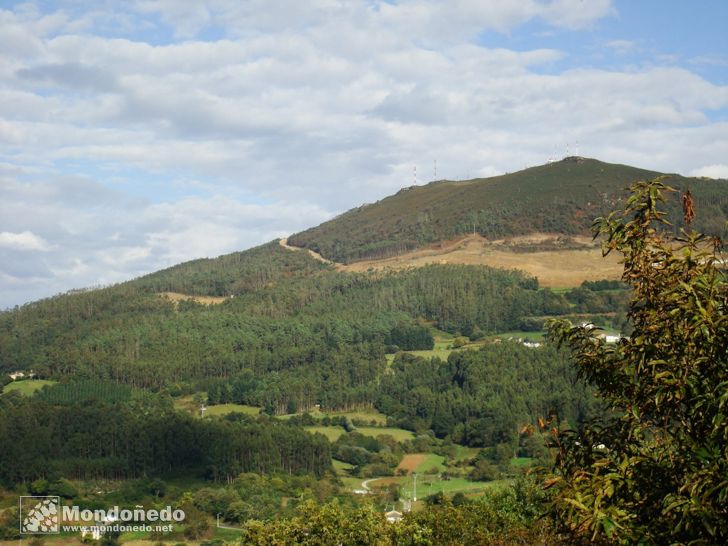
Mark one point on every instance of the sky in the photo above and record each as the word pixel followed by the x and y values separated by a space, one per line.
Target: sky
pixel 139 134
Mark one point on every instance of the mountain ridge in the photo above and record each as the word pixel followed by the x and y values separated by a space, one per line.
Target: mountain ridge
pixel 562 198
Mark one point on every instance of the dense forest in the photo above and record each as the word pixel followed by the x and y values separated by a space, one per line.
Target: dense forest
pixel 561 198
pixel 106 432
pixel 307 335
pixel 483 398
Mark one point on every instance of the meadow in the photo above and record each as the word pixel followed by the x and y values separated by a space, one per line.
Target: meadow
pixel 27 387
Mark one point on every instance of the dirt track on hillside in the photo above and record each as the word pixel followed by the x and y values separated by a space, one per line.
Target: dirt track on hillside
pixel 553 268
pixel 314 255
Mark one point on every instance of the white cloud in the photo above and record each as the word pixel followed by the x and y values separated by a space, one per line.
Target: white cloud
pixel 719 170
pixel 576 13
pixel 24 240
pixel 124 155
pixel 621 46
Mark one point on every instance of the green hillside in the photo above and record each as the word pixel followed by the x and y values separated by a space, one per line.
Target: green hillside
pixel 562 197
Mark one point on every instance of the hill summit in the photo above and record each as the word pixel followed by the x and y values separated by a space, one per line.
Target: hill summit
pixel 561 198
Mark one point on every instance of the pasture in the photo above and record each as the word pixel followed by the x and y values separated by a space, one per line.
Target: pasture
pixel 27 387
pixel 224 409
pixel 364 415
pixel 422 462
pixel 333 432
pixel 431 485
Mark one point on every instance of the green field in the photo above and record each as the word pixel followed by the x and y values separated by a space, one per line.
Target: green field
pixel 398 434
pixel 333 432
pixel 341 467
pixel 441 350
pixel 422 462
pixel 367 415
pixel 27 387
pixel 521 462
pixel 430 485
pixel 351 484
pixel 224 409
pixel 463 453
pixel 432 462
pixel 526 336
pixel 188 404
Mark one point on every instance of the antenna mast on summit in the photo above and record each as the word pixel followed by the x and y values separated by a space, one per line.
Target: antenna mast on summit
pixel 414 175
pixel 434 177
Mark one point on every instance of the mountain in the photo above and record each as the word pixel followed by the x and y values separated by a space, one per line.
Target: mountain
pixel 285 311
pixel 435 352
pixel 560 198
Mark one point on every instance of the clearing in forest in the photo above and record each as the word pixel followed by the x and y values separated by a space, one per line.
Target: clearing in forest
pixel 552 266
pixel 176 297
pixel 558 267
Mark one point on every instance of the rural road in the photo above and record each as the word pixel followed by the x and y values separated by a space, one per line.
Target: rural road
pixel 365 484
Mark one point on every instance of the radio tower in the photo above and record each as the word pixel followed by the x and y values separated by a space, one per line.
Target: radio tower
pixel 435 171
pixel 414 175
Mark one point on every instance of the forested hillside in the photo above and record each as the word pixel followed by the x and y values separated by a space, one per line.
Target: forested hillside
pixel 297 335
pixel 561 198
pixel 292 336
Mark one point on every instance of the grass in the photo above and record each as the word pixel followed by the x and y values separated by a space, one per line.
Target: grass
pixel 367 416
pixel 463 453
pixel 441 350
pixel 422 462
pixel 27 387
pixel 341 467
pixel 351 483
pixel 430 485
pixel 333 432
pixel 224 409
pixel 521 462
pixel 398 434
pixel 527 336
pixel 228 535
pixel 432 461
pixel 188 404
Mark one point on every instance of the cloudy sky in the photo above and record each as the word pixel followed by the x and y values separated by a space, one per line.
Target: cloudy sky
pixel 138 134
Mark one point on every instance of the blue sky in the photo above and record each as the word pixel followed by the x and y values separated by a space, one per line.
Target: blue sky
pixel 135 135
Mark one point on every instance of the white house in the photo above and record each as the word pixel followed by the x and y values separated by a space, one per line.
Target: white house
pixel 393 516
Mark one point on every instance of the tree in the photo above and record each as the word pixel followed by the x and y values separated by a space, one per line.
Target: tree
pixel 655 471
